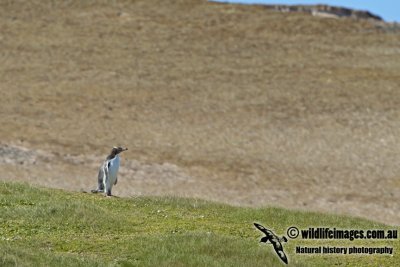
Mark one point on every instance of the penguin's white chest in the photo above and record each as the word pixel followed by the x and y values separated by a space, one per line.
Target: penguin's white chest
pixel 113 169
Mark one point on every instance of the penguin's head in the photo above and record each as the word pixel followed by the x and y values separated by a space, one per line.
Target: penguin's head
pixel 117 149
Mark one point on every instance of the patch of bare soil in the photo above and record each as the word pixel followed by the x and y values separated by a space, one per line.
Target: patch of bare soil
pixel 237 104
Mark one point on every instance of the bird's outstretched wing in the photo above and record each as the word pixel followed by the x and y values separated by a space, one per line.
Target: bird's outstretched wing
pixel 263 229
pixel 281 254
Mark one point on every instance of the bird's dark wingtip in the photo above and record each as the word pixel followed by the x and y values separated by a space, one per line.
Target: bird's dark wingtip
pixel 260 227
pixel 283 257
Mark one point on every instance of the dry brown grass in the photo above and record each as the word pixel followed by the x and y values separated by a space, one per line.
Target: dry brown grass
pixel 256 107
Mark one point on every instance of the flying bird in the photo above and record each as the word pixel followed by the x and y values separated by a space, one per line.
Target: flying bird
pixel 108 172
pixel 274 240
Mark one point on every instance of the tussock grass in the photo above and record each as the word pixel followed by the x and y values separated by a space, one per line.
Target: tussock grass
pixel 46 227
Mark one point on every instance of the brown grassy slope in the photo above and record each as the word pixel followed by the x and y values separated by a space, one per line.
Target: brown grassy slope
pixel 259 107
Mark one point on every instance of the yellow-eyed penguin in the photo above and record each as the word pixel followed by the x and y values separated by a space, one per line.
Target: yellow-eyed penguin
pixel 108 172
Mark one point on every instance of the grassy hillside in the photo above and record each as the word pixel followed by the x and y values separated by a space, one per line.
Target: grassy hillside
pixel 254 107
pixel 44 227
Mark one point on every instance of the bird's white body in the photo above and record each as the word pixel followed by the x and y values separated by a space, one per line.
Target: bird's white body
pixel 110 177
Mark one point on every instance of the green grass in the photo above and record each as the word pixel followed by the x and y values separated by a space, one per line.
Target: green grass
pixel 47 227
